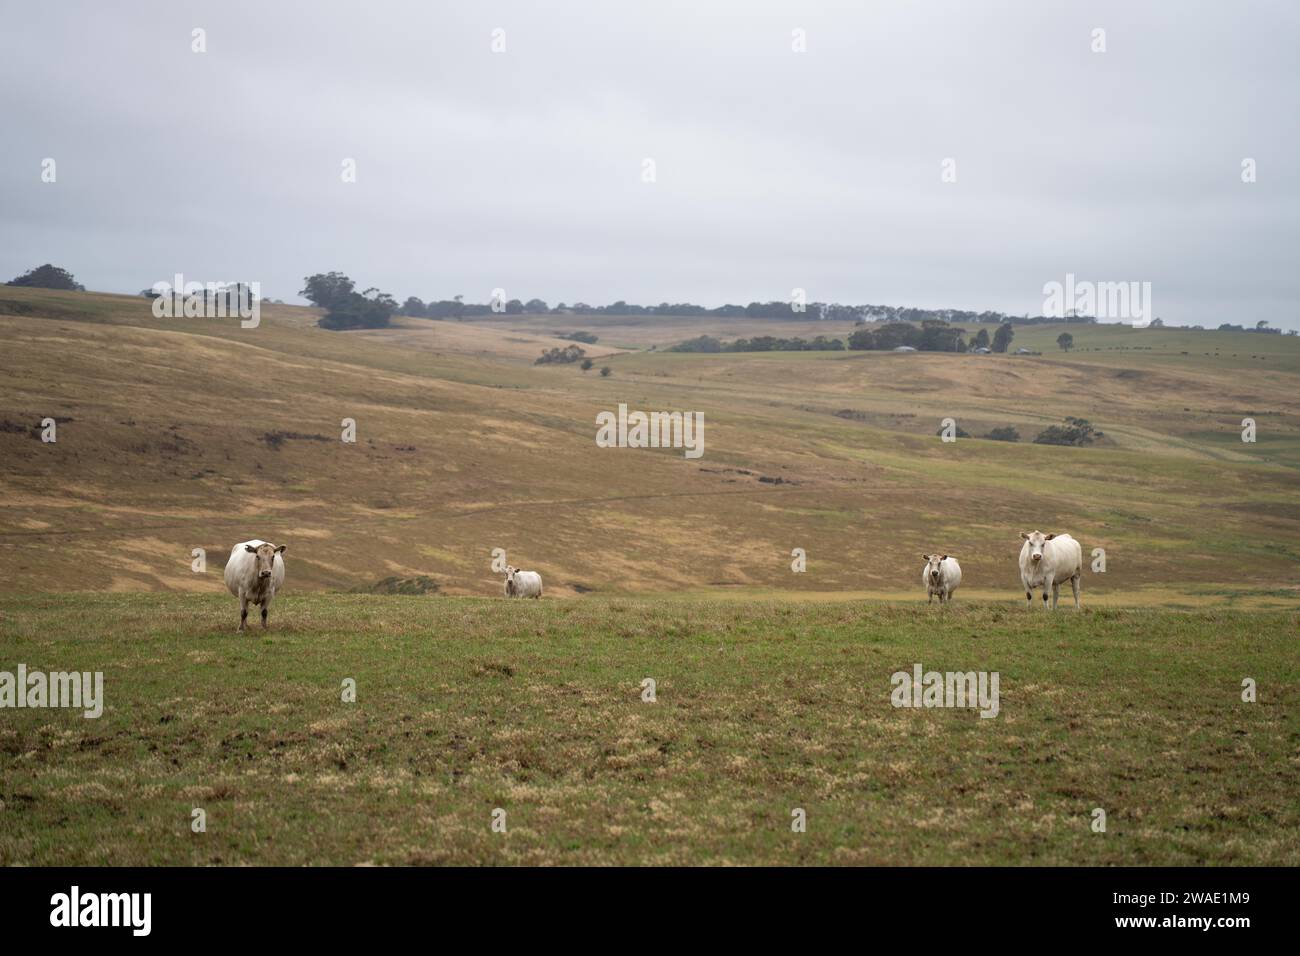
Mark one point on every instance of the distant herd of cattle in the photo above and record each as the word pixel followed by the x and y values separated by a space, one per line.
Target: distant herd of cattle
pixel 255 572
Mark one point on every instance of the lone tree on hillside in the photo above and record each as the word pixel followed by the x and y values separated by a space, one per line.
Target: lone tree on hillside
pixel 1003 336
pixel 324 289
pixel 48 277
pixel 345 308
pixel 1065 340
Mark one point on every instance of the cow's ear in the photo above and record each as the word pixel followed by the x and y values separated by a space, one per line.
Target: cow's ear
pixel 1025 536
pixel 926 556
pixel 280 550
pixel 944 558
pixel 250 549
pixel 1048 537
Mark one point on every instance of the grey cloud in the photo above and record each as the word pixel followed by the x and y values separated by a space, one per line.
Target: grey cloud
pixel 775 170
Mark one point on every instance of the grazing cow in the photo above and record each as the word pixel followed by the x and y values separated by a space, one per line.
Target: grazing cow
pixel 1047 560
pixel 254 573
pixel 523 584
pixel 941 575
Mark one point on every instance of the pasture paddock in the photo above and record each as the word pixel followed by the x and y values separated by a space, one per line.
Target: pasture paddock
pixel 773 687
pixel 465 705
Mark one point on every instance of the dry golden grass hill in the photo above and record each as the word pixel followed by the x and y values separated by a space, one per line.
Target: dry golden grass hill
pixel 192 433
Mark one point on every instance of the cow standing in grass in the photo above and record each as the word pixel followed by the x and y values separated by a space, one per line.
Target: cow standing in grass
pixel 941 575
pixel 254 573
pixel 1047 561
pixel 523 584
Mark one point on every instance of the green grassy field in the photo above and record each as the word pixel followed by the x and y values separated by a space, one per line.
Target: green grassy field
pixel 773 686
pixel 467 705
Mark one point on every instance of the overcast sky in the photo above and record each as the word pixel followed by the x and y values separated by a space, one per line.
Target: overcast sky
pixel 774 169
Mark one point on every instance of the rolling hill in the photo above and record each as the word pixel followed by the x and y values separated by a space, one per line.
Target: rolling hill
pixel 193 433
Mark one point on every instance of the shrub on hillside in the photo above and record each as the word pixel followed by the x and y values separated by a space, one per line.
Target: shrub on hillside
pixel 759 343
pixel 1075 431
pixel 703 343
pixel 369 310
pixel 561 356
pixel 1004 433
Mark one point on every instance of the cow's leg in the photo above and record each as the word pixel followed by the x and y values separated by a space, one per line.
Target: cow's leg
pixel 1046 594
pixel 1029 600
pixel 929 597
pixel 1056 594
pixel 243 612
pixel 266 613
pixel 1074 583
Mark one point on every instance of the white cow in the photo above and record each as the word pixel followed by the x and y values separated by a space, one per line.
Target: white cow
pixel 523 584
pixel 254 573
pixel 941 575
pixel 1047 560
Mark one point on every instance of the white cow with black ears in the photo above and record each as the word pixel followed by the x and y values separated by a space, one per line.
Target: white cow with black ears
pixel 1047 561
pixel 523 584
pixel 941 575
pixel 254 573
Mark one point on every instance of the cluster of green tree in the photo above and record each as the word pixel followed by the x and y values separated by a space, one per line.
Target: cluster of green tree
pixel 929 337
pixel 887 313
pixel 1075 431
pixel 345 308
pixel 760 343
pixel 1003 433
pixel 933 328
pixel 1260 326
pixel 457 308
pixel 48 277
pixel 561 356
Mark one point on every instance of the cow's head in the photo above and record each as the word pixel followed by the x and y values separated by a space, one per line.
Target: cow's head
pixel 265 557
pixel 932 562
pixel 511 571
pixel 1036 541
